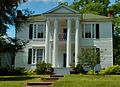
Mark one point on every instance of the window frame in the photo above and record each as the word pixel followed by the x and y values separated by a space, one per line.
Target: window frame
pixel 34 58
pixel 35 30
pixel 93 31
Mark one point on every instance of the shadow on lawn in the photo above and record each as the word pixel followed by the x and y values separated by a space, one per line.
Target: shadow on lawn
pixel 16 78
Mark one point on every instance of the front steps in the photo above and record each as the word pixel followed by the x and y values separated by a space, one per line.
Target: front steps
pixel 45 82
pixel 62 71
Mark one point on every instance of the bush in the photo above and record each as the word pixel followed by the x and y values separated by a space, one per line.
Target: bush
pixel 10 71
pixel 42 67
pixel 29 72
pixel 7 71
pixel 80 68
pixel 110 70
pixel 91 72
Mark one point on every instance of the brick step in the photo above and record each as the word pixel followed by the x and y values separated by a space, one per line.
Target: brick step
pixel 56 75
pixel 39 84
pixel 50 79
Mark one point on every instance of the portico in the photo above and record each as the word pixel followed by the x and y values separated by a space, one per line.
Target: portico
pixel 69 21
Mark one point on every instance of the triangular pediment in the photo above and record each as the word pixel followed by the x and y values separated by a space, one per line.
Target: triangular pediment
pixel 61 9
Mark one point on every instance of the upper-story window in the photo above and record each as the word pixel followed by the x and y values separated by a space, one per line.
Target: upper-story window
pixel 90 31
pixel 37 31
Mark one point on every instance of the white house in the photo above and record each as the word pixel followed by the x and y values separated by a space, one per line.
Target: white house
pixel 60 34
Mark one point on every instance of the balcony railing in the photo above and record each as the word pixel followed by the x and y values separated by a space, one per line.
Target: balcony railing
pixel 63 36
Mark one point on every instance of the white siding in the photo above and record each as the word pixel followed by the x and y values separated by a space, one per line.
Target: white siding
pixel 104 43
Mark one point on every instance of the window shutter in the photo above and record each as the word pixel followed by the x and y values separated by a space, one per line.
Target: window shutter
pixel 29 56
pixel 97 31
pixel 98 54
pixel 30 31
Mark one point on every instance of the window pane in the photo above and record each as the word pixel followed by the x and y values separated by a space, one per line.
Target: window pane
pixel 33 55
pixel 39 55
pixel 30 31
pixel 93 31
pixel 35 31
pixel 83 31
pixel 87 30
pixel 40 31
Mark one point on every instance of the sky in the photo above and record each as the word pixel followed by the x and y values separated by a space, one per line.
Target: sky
pixel 38 6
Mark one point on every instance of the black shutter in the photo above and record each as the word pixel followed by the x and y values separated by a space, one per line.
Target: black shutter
pixel 29 56
pixel 97 31
pixel 98 54
pixel 30 31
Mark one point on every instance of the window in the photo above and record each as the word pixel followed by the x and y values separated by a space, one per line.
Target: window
pixel 90 31
pixel 35 55
pixel 37 31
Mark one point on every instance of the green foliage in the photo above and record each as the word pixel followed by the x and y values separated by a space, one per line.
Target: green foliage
pixel 94 8
pixel 91 72
pixel 7 14
pixel 89 57
pixel 29 72
pixel 80 68
pixel 110 70
pixel 41 67
pixel 10 71
pixel 91 6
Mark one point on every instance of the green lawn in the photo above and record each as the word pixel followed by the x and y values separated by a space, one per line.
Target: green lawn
pixel 67 81
pixel 88 81
pixel 17 81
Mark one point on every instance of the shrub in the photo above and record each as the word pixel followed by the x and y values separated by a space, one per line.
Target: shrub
pixel 91 72
pixel 19 71
pixel 80 68
pixel 42 67
pixel 7 71
pixel 111 70
pixel 10 71
pixel 29 72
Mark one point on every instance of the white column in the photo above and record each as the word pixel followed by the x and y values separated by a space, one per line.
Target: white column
pixel 55 44
pixel 50 49
pixel 76 41
pixel 47 41
pixel 68 42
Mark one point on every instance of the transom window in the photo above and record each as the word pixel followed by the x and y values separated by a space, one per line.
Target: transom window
pixel 37 31
pixel 90 31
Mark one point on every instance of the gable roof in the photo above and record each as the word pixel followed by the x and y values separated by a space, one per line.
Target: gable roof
pixel 62 9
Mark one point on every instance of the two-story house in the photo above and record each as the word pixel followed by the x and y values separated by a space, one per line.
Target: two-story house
pixel 60 34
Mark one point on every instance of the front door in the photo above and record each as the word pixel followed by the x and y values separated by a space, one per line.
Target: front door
pixel 64 60
pixel 65 33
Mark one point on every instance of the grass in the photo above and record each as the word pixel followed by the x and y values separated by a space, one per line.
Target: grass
pixel 67 81
pixel 88 81
pixel 17 81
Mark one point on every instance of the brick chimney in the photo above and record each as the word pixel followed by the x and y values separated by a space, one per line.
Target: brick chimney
pixel 110 14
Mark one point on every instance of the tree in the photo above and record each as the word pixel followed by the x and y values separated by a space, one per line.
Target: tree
pixel 12 46
pixel 7 14
pixel 88 56
pixel 8 9
pixel 90 6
